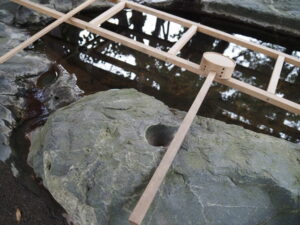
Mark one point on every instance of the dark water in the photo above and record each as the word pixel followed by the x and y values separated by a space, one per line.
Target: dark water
pixel 100 64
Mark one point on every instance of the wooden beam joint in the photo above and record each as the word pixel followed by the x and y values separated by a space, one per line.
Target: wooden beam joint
pixel 276 74
pixel 183 40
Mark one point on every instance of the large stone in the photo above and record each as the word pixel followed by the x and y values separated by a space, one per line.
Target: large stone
pixel 96 156
pixel 277 15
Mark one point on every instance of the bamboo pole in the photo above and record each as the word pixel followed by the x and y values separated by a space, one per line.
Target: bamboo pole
pixel 44 31
pixel 276 74
pixel 147 197
pixel 190 66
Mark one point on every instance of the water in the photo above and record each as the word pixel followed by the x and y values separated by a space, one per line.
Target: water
pixel 100 64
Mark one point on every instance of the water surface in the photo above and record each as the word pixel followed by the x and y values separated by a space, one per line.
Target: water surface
pixel 100 64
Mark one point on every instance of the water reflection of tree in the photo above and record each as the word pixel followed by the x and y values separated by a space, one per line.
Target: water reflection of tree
pixel 178 87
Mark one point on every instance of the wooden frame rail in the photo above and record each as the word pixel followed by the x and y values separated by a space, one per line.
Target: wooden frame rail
pixel 44 31
pixel 171 56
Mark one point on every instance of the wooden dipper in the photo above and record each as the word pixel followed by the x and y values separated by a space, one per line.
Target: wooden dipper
pixel 218 63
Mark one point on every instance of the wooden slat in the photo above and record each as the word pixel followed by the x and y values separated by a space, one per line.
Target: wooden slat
pixel 147 197
pixel 247 44
pixel 190 66
pixel 44 31
pixel 214 32
pixel 108 14
pixel 183 40
pixel 160 14
pixel 276 74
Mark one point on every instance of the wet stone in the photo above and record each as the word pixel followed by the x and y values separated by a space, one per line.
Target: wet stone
pixel 5 150
pixel 95 158
pixel 277 15
pixel 6 116
pixel 14 75
pixel 62 91
pixel 6 17
pixel 7 86
pixel 6 123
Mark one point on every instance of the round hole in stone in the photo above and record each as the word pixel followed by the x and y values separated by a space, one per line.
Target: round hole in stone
pixel 160 135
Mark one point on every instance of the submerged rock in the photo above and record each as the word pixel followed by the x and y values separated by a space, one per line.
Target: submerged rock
pixel 97 155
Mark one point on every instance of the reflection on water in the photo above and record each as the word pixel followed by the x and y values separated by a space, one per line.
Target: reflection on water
pixel 101 64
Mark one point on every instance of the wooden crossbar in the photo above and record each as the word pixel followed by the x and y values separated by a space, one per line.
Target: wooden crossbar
pixel 276 74
pixel 108 14
pixel 147 197
pixel 165 56
pixel 183 40
pixel 44 31
pixel 268 96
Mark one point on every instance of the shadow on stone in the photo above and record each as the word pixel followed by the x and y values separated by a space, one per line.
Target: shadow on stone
pixel 160 135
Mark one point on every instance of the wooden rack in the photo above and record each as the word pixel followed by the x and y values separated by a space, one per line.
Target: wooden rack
pixel 171 57
pixel 93 26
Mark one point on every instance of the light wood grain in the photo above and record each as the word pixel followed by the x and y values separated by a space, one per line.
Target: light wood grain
pixel 276 74
pixel 217 62
pixel 147 197
pixel 44 31
pixel 262 95
pixel 108 14
pixel 183 40
pixel 190 66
